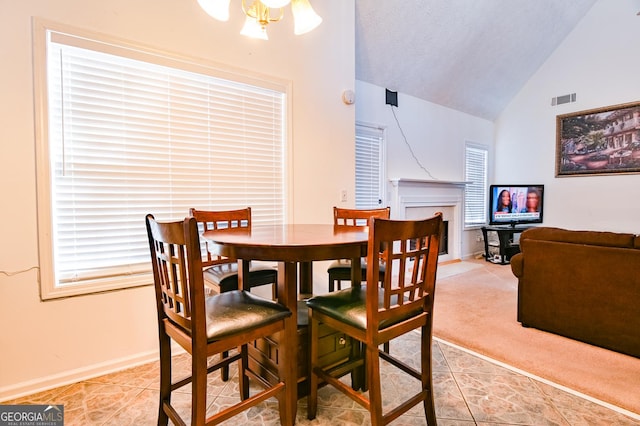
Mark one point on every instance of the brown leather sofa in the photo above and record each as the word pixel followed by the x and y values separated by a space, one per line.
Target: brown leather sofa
pixel 581 284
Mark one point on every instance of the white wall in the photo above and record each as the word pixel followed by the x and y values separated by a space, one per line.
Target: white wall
pixel 598 61
pixel 436 135
pixel 48 343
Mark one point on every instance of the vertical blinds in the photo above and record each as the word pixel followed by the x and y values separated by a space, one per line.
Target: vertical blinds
pixel 129 137
pixel 475 193
pixel 368 167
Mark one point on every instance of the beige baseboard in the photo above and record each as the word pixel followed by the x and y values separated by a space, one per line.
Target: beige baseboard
pixel 30 387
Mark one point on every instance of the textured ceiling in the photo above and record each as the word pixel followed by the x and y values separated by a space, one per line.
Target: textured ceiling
pixel 469 55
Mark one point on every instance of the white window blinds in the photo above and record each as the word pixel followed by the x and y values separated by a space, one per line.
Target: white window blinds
pixel 475 193
pixel 127 137
pixel 369 167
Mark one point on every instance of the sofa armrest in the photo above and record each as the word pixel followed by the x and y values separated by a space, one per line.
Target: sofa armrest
pixel 517 264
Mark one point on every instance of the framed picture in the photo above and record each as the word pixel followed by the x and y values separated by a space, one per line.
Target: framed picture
pixel 599 141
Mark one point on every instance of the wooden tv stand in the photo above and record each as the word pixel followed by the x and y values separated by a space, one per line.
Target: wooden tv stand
pixel 507 245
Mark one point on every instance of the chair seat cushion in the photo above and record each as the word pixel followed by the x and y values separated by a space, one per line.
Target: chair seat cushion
pixel 236 312
pixel 225 275
pixel 349 306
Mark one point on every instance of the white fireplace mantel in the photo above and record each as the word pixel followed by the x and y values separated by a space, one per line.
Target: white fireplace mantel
pixel 416 192
pixel 414 196
pixel 434 182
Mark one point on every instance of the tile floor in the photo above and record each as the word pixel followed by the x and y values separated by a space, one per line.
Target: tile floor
pixel 469 390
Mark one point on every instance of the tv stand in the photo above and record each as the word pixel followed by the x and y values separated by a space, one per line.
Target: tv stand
pixel 506 245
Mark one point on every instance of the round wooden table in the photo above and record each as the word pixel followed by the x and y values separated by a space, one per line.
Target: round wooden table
pixel 294 247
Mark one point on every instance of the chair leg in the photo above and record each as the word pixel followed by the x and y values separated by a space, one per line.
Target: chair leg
pixel 165 379
pixel 429 408
pixel 198 387
pixel 224 371
pixel 286 406
pixel 427 375
pixel 358 374
pixel 312 399
pixel 243 379
pixel 374 385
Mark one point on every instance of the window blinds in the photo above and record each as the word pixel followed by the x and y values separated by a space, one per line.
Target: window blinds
pixel 129 137
pixel 368 167
pixel 475 193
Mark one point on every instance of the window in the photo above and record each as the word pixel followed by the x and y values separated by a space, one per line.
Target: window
pixel 369 166
pixel 124 132
pixel 475 194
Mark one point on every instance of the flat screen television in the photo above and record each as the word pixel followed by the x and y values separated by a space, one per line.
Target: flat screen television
pixel 515 204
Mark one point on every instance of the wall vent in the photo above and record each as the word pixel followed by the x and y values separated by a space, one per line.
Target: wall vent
pixel 564 99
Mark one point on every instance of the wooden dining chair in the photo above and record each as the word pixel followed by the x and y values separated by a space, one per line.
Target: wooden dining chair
pixel 374 315
pixel 221 273
pixel 207 326
pixel 340 270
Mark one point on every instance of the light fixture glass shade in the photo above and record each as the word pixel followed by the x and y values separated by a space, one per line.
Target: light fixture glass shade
pixel 218 9
pixel 275 3
pixel 305 18
pixel 253 29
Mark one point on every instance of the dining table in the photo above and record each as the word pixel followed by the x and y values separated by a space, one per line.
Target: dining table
pixel 294 247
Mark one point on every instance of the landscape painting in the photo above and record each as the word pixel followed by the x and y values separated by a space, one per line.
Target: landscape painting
pixel 599 141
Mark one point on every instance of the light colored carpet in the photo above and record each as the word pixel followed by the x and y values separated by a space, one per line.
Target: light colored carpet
pixel 476 309
pixel 456 268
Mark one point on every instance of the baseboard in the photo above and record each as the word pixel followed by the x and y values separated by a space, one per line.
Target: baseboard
pixel 73 376
pixel 474 256
pixel 449 262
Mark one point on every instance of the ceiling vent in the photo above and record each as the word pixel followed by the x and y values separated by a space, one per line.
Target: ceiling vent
pixel 564 99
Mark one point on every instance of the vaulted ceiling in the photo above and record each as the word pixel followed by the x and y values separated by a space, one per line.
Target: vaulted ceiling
pixel 469 55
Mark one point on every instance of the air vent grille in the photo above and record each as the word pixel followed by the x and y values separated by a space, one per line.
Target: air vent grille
pixel 564 99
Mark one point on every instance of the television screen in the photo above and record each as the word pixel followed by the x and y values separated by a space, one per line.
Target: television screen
pixel 515 204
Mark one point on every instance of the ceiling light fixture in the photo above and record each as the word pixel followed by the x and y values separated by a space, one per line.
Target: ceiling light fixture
pixel 258 15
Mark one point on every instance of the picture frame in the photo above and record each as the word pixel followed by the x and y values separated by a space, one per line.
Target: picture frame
pixel 599 141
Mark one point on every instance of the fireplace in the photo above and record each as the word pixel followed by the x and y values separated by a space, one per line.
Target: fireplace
pixel 444 239
pixel 418 199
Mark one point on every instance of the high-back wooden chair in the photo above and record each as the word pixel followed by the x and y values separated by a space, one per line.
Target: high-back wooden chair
pixel 340 270
pixel 206 326
pixel 221 273
pixel 374 315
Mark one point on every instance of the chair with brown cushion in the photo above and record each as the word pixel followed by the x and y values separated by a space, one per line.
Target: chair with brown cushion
pixel 221 273
pixel 340 270
pixel 374 315
pixel 207 326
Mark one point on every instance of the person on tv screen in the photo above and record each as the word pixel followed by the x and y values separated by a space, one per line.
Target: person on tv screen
pixel 504 202
pixel 533 201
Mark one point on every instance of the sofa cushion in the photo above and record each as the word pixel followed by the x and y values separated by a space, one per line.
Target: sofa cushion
pixel 596 238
